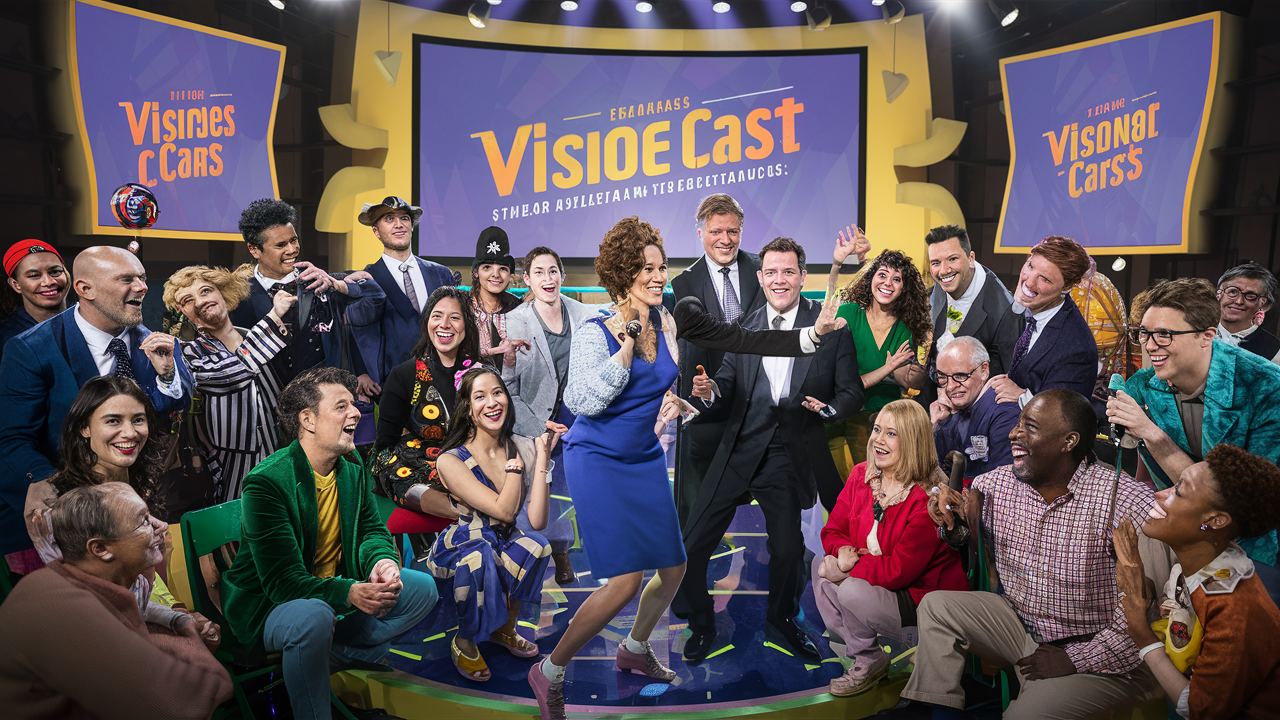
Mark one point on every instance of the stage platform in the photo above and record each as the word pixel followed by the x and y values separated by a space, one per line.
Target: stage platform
pixel 749 672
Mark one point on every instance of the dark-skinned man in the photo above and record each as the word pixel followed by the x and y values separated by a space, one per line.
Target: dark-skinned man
pixel 1058 620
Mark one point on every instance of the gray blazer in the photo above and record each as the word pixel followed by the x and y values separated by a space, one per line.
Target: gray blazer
pixel 532 382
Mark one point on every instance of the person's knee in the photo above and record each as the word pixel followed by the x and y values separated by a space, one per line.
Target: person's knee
pixel 625 586
pixel 300 623
pixel 420 588
pixel 855 592
pixel 672 575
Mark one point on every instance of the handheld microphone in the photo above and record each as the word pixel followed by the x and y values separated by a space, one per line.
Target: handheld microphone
pixel 1118 432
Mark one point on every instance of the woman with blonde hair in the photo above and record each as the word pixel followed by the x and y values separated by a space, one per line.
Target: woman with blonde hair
pixel 883 553
pixel 231 367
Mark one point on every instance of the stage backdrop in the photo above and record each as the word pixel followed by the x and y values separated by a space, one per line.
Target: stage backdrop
pixel 556 146
pixel 1109 140
pixel 184 109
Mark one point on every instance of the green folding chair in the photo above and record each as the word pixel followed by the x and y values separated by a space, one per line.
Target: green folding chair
pixel 203 532
pixel 980 579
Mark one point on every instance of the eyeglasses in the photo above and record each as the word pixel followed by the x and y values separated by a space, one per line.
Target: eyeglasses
pixel 1234 293
pixel 961 378
pixel 1162 337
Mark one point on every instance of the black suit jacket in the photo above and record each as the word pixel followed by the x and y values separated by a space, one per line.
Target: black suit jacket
pixel 696 282
pixel 830 375
pixel 1064 356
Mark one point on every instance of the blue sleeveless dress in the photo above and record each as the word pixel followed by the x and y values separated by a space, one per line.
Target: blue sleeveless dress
pixel 617 474
pixel 489 562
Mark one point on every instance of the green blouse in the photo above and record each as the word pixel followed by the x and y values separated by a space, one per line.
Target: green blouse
pixel 870 356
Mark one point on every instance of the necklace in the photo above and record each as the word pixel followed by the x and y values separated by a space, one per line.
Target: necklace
pixel 882 502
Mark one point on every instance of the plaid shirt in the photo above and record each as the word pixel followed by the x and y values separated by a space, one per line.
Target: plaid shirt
pixel 1055 562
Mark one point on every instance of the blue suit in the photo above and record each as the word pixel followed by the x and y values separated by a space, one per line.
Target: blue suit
pixel 1065 355
pixel 40 375
pixel 981 432
pixel 14 325
pixel 386 331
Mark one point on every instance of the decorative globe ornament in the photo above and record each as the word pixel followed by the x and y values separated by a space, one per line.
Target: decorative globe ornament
pixel 135 206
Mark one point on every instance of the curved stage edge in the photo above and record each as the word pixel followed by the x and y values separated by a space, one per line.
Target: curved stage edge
pixel 408 696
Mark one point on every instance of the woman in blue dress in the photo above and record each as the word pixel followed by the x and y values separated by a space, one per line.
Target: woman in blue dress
pixel 490 473
pixel 620 375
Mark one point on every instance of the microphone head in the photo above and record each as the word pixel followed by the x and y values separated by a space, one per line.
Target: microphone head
pixel 1117 382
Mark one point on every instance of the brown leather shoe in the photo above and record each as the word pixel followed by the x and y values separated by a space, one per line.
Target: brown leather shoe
pixel 564 569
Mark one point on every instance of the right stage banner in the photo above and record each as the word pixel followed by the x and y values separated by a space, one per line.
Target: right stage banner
pixel 1109 139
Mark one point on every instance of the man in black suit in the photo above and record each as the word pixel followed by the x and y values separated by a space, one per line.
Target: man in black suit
pixel 319 338
pixel 724 279
pixel 968 299
pixel 774 448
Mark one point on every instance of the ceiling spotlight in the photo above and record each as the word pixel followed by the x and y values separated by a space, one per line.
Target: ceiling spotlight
pixel 277 4
pixel 819 17
pixel 893 12
pixel 799 6
pixel 1119 263
pixel 1005 11
pixel 568 5
pixel 877 3
pixel 642 6
pixel 478 14
pixel 721 7
pixel 495 2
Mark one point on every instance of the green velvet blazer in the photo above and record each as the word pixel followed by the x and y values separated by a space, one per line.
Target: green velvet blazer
pixel 278 541
pixel 1241 408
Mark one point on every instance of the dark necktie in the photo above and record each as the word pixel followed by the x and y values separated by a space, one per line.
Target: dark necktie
pixel 777 322
pixel 732 310
pixel 1021 347
pixel 409 289
pixel 124 366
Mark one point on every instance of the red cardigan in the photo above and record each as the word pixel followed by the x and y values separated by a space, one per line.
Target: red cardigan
pixel 915 557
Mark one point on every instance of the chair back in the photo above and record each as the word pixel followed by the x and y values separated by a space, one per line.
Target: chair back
pixel 203 532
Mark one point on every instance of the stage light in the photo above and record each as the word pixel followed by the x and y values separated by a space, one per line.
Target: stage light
pixel 819 17
pixel 1005 11
pixel 1119 264
pixel 642 6
pixel 877 3
pixel 568 5
pixel 721 7
pixel 893 12
pixel 478 14
pixel 799 6
pixel 495 2
pixel 277 4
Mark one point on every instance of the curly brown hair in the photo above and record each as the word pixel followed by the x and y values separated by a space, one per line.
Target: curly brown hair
pixel 912 305
pixel 1248 488
pixel 622 254
pixel 79 461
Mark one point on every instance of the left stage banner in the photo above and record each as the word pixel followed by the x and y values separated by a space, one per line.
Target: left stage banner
pixel 186 110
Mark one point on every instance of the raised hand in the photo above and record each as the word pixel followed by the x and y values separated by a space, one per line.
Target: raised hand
pixel 158 347
pixel 827 320
pixel 317 280
pixel 854 243
pixel 281 303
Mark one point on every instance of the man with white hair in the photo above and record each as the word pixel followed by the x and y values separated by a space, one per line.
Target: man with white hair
pixel 967 416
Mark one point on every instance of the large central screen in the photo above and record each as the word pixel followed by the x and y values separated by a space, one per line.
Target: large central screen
pixel 555 146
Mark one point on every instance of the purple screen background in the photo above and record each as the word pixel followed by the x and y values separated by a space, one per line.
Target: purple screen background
pixel 466 90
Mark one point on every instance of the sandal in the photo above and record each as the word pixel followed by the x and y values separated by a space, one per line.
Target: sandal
pixel 515 643
pixel 469 667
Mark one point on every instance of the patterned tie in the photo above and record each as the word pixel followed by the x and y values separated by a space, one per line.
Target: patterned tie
pixel 1024 342
pixel 124 366
pixel 732 310
pixel 777 322
pixel 409 289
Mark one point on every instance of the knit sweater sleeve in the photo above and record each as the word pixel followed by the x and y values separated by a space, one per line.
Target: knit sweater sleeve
pixel 594 378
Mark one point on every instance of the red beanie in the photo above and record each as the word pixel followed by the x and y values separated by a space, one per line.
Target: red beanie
pixel 23 248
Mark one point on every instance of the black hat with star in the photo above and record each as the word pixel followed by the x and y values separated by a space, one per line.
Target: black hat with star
pixel 493 248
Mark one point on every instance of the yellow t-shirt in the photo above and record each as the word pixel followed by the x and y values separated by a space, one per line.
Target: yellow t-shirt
pixel 329 536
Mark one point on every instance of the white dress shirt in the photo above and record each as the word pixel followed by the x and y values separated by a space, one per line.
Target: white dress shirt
pixel 717 279
pixel 963 304
pixel 1234 339
pixel 1042 320
pixel 267 282
pixel 98 340
pixel 415 274
pixel 778 369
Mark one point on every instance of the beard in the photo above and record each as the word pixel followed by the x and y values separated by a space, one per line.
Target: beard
pixel 209 316
pixel 122 314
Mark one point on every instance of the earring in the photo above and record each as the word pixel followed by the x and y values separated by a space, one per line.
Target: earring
pixel 1204 526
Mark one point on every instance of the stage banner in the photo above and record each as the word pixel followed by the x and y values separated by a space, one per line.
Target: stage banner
pixel 556 146
pixel 184 109
pixel 1107 140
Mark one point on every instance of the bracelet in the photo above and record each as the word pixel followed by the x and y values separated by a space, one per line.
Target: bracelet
pixel 551 465
pixel 1142 654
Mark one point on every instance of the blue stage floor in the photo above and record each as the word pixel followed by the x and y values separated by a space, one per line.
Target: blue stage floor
pixel 747 665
